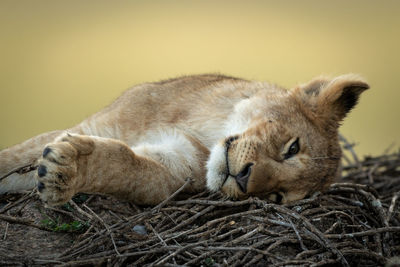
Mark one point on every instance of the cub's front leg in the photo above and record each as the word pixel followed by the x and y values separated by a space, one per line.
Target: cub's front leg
pixel 77 163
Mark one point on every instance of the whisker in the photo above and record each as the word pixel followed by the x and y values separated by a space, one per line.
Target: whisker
pixel 325 157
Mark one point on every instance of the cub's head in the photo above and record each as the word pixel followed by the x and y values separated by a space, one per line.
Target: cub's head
pixel 289 146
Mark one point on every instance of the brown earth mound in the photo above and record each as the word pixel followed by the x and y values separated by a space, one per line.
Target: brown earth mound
pixel 355 223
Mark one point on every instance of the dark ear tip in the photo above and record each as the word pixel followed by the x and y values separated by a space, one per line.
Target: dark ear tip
pixel 350 95
pixel 364 85
pixel 359 84
pixel 357 88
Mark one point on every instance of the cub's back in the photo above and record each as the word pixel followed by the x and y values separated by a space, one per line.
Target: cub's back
pixel 198 105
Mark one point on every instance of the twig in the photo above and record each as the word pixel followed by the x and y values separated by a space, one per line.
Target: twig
pixel 218 203
pixel 22 221
pixel 16 203
pixel 303 247
pixel 370 172
pixel 349 147
pixel 20 170
pixel 364 233
pixel 5 231
pixel 392 206
pixel 105 225
pixel 81 211
pixel 159 237
pixel 164 202
pixel 181 249
pixel 321 239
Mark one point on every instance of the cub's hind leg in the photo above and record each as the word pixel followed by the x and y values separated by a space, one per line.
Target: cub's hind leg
pixel 76 163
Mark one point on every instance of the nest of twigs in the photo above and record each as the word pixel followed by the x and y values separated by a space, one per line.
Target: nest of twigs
pixel 355 223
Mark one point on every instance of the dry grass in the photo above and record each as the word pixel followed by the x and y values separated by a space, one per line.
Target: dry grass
pixel 355 223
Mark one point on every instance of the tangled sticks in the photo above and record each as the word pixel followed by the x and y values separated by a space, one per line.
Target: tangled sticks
pixel 348 225
pixel 355 223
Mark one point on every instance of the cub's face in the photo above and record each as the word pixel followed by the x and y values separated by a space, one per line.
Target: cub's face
pixel 290 148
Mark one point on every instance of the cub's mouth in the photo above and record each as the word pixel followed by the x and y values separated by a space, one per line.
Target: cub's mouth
pixel 242 177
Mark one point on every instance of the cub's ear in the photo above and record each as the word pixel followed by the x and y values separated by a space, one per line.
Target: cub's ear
pixel 333 99
pixel 340 95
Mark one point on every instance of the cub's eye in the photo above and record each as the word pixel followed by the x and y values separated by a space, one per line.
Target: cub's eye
pixel 293 149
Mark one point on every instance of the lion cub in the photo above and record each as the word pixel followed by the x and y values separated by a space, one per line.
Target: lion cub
pixel 243 138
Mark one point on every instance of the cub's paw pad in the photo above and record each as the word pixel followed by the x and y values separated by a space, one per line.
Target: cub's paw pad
pixel 58 168
pixel 42 171
pixel 40 187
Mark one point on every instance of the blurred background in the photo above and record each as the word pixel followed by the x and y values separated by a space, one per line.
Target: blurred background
pixel 61 61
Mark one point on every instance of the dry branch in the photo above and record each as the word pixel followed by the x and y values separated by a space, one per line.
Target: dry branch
pixel 356 222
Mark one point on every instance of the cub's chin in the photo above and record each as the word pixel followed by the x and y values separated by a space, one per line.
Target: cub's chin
pixel 231 189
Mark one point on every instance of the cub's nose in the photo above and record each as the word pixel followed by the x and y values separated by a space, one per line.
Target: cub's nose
pixel 243 177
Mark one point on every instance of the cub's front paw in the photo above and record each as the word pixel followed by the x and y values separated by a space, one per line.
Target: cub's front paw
pixel 59 168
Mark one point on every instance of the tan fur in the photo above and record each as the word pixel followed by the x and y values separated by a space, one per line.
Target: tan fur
pixel 211 128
